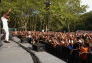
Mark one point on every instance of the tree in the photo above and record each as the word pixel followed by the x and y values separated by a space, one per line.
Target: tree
pixel 67 12
pixel 86 19
pixel 63 14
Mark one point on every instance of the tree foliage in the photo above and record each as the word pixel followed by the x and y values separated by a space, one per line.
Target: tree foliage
pixel 86 19
pixel 31 14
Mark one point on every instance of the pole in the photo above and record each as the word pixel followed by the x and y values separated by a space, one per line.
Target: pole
pixel 47 3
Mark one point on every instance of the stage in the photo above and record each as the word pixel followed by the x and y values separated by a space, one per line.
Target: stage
pixel 13 53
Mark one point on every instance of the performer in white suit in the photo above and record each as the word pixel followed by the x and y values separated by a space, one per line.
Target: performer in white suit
pixel 4 19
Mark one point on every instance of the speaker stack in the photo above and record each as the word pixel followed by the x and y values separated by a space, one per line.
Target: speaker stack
pixel 38 47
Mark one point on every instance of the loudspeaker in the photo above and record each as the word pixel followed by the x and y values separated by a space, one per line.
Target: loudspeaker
pixel 24 40
pixel 38 47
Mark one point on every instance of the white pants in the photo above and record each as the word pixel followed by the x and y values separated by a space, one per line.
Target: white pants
pixel 6 34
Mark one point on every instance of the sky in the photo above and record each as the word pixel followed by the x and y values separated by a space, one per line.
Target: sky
pixel 89 3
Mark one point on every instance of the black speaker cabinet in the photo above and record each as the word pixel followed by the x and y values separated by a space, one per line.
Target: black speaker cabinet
pixel 38 47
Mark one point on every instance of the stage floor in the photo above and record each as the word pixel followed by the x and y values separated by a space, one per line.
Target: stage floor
pixel 12 53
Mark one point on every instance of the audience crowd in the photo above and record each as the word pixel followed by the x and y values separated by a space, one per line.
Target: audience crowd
pixel 73 47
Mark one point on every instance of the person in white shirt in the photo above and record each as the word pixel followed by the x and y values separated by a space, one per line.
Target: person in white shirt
pixel 4 20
